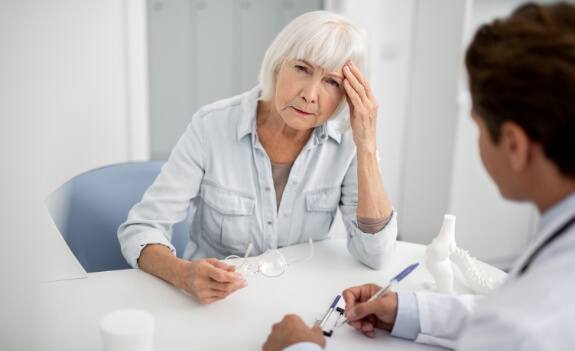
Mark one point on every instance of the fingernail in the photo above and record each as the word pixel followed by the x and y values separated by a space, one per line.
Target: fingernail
pixel 350 315
pixel 346 68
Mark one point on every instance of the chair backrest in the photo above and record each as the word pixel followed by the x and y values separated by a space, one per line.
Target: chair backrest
pixel 89 208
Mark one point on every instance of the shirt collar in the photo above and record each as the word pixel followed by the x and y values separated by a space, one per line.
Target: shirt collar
pixel 332 131
pixel 564 207
pixel 247 120
pixel 249 107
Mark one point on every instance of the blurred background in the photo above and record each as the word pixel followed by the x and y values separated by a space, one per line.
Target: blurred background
pixel 87 83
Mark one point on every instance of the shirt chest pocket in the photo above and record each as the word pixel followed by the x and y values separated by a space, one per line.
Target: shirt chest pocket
pixel 228 219
pixel 321 206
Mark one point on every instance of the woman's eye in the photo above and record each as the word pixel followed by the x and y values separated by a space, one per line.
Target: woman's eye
pixel 301 68
pixel 333 82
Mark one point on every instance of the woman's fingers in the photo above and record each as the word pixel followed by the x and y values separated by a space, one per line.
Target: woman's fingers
pixel 361 78
pixel 355 84
pixel 227 288
pixel 219 264
pixel 222 280
pixel 221 275
pixel 209 290
pixel 209 280
pixel 353 95
pixel 210 296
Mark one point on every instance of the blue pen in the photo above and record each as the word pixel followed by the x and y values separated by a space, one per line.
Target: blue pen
pixel 329 311
pixel 404 273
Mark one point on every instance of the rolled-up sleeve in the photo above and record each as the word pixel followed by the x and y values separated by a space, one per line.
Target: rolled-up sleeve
pixel 167 200
pixel 370 249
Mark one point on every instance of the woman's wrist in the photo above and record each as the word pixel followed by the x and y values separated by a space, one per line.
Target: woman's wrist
pixel 366 149
pixel 367 162
pixel 177 272
pixel 157 259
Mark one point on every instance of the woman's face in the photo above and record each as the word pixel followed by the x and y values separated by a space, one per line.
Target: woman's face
pixel 306 95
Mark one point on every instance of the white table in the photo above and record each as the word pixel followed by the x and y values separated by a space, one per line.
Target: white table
pixel 72 309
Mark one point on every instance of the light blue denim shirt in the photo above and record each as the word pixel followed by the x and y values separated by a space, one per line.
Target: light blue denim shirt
pixel 220 172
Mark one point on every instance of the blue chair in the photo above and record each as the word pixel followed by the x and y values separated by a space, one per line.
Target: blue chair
pixel 89 208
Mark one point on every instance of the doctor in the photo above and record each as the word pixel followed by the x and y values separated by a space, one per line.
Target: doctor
pixel 522 82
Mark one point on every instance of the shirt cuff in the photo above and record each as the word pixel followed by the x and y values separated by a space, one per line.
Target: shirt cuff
pixel 373 225
pixel 375 243
pixel 373 250
pixel 304 346
pixel 133 248
pixel 407 321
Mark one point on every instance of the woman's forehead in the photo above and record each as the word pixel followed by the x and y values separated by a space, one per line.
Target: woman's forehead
pixel 328 70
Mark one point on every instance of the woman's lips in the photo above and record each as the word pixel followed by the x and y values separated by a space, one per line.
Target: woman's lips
pixel 302 112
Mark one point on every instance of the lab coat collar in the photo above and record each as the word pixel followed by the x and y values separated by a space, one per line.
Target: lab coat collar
pixel 567 205
pixel 550 221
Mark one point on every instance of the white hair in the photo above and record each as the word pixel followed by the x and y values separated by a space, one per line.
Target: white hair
pixel 321 37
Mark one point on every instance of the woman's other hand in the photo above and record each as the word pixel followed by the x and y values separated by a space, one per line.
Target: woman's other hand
pixel 208 280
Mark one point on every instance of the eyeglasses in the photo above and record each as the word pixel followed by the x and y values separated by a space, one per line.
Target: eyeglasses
pixel 271 263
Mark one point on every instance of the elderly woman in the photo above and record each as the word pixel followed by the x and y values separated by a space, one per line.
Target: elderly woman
pixel 271 166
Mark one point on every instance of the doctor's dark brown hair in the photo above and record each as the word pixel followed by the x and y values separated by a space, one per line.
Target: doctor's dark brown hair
pixel 522 69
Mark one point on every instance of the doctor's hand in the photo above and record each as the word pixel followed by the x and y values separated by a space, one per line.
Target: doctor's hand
pixel 208 280
pixel 292 330
pixel 367 316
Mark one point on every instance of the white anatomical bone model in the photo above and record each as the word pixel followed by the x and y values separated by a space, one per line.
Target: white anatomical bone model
pixel 438 253
pixel 443 251
pixel 474 279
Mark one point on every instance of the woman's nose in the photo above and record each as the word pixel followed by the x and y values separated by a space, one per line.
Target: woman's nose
pixel 309 92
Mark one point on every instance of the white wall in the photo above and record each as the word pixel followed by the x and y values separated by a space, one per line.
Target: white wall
pixel 79 67
pixel 72 85
pixel 431 117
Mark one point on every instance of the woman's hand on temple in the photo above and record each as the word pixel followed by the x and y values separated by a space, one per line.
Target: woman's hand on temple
pixel 362 107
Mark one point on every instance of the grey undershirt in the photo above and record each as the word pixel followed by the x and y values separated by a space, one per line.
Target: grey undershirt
pixel 280 175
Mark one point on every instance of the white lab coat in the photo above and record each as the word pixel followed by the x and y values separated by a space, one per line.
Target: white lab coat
pixel 534 311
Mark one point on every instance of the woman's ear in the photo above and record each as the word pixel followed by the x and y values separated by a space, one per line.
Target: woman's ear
pixel 516 145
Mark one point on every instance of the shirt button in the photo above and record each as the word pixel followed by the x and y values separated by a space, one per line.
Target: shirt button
pixel 270 222
pixel 268 188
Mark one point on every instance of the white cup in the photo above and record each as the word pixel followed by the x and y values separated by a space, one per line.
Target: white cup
pixel 127 330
